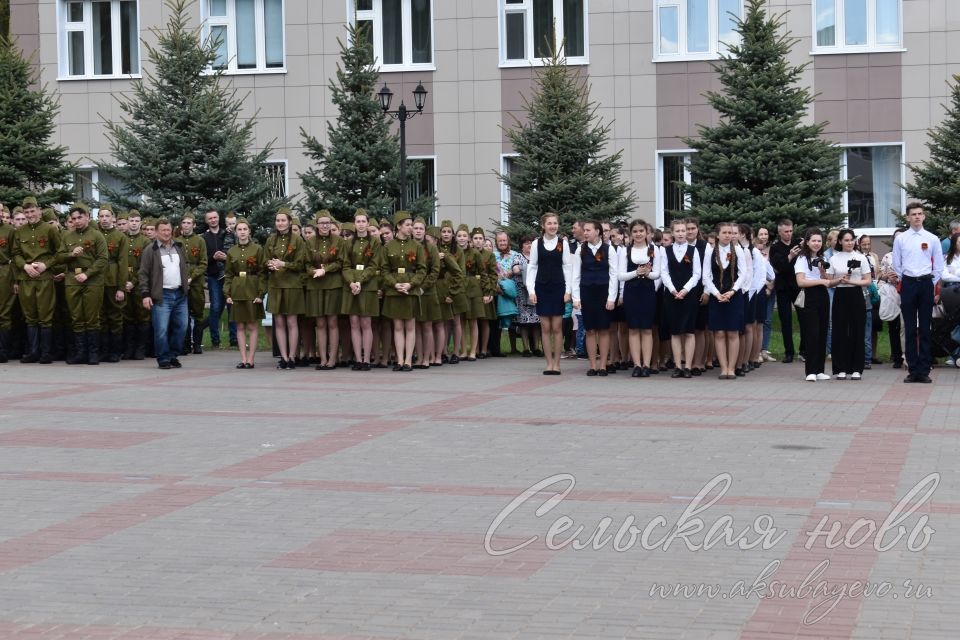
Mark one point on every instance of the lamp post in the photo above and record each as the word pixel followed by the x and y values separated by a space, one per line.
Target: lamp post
pixel 402 114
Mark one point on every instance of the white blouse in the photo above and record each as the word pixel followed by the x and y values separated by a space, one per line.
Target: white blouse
pixel 550 244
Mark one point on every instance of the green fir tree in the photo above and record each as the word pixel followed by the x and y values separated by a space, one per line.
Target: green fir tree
pixel 761 163
pixel 360 165
pixel 937 181
pixel 181 142
pixel 561 166
pixel 29 162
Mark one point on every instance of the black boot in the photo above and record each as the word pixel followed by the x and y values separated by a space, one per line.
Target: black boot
pixel 141 335
pixel 187 343
pixel 61 340
pixel 46 345
pixel 79 353
pixel 4 345
pixel 93 347
pixel 151 351
pixel 198 338
pixel 33 346
pixel 114 348
pixel 129 342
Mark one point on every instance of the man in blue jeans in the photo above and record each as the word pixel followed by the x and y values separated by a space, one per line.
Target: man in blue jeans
pixel 918 262
pixel 163 284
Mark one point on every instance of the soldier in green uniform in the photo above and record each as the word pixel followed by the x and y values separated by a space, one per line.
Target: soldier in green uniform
pixel 360 284
pixel 244 287
pixel 114 285
pixel 285 263
pixel 449 284
pixel 83 253
pixel 403 269
pixel 429 305
pixel 195 250
pixel 34 255
pixel 136 319
pixel 488 286
pixel 324 288
pixel 7 282
pixel 62 334
pixel 472 271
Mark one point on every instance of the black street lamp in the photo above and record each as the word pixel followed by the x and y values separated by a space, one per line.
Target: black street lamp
pixel 402 114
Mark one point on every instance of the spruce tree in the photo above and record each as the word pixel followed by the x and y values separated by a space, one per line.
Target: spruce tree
pixel 360 166
pixel 761 163
pixel 560 166
pixel 937 181
pixel 29 162
pixel 180 141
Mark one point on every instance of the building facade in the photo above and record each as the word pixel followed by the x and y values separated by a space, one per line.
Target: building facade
pixel 879 69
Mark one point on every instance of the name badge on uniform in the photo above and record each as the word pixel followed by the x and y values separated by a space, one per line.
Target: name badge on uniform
pixel 77 271
pixel 360 267
pixel 401 270
pixel 243 274
pixel 477 276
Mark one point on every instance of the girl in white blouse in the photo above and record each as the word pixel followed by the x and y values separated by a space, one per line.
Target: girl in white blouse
pixel 811 272
pixel 638 271
pixel 851 273
pixel 724 277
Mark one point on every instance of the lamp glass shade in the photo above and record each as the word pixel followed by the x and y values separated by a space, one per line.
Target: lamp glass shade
pixel 419 96
pixel 385 96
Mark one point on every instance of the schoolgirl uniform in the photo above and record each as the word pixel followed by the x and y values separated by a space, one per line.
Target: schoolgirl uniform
pixel 429 303
pixel 449 283
pixel 763 273
pixel 639 294
pixel 323 296
pixel 245 281
pixel 361 261
pixel 682 272
pixel 749 310
pixel 703 313
pixel 848 313
pixel 815 316
pixel 663 328
pixel 619 313
pixel 285 287
pixel 402 261
pixel 595 284
pixel 548 275
pixel 725 271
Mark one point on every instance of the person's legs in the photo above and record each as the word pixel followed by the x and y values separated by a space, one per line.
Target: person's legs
pixel 910 296
pixel 924 319
pixel 785 310
pixel 646 347
pixel 768 322
pixel 333 338
pixel 215 289
pixel 868 336
pixel 160 315
pixel 603 340
pixel 179 316
pixel 893 336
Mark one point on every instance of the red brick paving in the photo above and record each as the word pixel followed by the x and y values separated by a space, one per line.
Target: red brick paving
pixel 74 439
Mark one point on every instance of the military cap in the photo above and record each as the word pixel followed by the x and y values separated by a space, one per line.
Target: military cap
pixel 29 201
pixel 477 231
pixel 363 212
pixel 400 216
pixel 149 222
pixel 123 215
pixel 322 213
pixel 188 215
pixel 434 232
pixel 49 215
pixel 79 206
pixel 385 223
pixel 348 226
pixel 444 224
pixel 243 221
pixel 106 206
pixel 463 228
pixel 133 213
pixel 421 220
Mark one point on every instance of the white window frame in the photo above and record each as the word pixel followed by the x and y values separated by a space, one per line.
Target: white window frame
pixel 840 32
pixel 286 172
pixel 64 29
pixel 436 192
pixel 375 16
pixel 713 24
pixel 230 22
pixel 94 185
pixel 661 196
pixel 529 59
pixel 504 188
pixel 845 202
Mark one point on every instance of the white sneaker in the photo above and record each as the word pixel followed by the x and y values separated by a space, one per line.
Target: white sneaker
pixel 855 375
pixel 812 378
pixel 767 357
pixel 822 376
pixel 841 376
pixel 950 362
pixel 802 359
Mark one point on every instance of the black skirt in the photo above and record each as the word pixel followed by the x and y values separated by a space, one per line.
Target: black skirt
pixel 726 316
pixel 593 301
pixel 550 298
pixel 681 315
pixel 640 303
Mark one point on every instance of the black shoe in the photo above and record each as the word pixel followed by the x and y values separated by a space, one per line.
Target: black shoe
pixel 611 368
pixel 898 364
pixel 249 365
pixel 234 344
pixel 637 372
pixel 603 373
pixel 291 365
pixel 654 371
pixel 175 363
pixel 242 365
pixel 164 365
pixel 481 356
pixel 910 378
pixel 406 368
pixel 355 366
pixel 421 366
pixel 591 372
pixel 645 372
pixel 740 372
pixel 677 373
pixel 787 359
pixel 687 373
pixel 526 354
pixel 397 367
pixel 281 364
pixel 924 379
pixel 696 372
pixel 539 354
pixel 364 366
pixel 866 365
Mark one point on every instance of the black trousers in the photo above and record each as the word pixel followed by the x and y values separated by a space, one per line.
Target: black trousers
pixel 849 330
pixel 893 333
pixel 785 298
pixel 916 305
pixel 814 320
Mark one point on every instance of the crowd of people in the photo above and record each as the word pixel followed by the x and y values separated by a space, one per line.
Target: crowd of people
pixel 404 294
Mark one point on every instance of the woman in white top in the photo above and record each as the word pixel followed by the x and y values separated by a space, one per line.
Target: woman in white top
pixel 951 263
pixel 594 288
pixel 811 271
pixel 865 245
pixel 888 277
pixel 548 287
pixel 724 276
pixel 851 273
pixel 619 355
pixel 638 271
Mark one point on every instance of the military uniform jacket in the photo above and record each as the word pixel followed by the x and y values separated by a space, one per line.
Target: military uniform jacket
pixel 115 277
pixel 195 250
pixel 450 282
pixel 472 272
pixel 361 263
pixel 402 261
pixel 135 246
pixel 325 252
pixel 245 272
pixel 92 261
pixel 433 267
pixel 36 243
pixel 488 273
pixel 290 249
pixel 6 255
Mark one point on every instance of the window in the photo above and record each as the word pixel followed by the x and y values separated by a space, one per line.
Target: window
pixel 424 185
pixel 875 194
pixel 276 170
pixel 695 29
pixel 99 39
pixel 506 168
pixel 249 34
pixel 672 168
pixel 88 181
pixel 841 26
pixel 530 28
pixel 401 32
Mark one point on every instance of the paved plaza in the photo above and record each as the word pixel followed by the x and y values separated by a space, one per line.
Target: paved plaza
pixel 208 503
